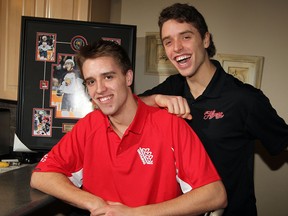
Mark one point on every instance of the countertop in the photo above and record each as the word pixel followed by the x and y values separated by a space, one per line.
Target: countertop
pixel 16 195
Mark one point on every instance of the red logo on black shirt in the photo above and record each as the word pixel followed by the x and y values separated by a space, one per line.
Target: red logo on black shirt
pixel 213 114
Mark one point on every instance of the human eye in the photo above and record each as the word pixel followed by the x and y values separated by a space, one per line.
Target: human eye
pixel 187 36
pixel 108 77
pixel 166 42
pixel 89 82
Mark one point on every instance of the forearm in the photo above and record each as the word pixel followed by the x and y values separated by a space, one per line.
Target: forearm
pixel 198 201
pixel 149 100
pixel 174 104
pixel 62 188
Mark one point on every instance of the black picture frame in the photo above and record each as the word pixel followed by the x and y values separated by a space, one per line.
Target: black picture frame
pixel 45 44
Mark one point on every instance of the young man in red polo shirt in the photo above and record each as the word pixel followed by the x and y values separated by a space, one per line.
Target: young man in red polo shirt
pixel 127 158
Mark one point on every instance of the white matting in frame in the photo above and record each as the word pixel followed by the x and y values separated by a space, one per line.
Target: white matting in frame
pixel 246 68
pixel 157 63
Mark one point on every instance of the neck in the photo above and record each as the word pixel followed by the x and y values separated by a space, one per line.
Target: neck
pixel 120 122
pixel 119 128
pixel 202 78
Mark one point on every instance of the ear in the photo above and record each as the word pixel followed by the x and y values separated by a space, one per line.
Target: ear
pixel 129 77
pixel 206 40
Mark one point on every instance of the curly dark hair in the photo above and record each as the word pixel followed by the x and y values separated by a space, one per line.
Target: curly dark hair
pixel 189 14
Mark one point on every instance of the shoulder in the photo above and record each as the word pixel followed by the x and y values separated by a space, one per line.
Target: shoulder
pixel 163 118
pixel 92 116
pixel 230 83
pixel 243 90
pixel 91 121
pixel 230 90
pixel 245 97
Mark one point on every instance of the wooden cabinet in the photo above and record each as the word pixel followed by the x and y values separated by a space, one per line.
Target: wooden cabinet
pixel 10 28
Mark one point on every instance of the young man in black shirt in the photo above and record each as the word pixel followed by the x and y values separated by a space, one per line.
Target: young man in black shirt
pixel 228 115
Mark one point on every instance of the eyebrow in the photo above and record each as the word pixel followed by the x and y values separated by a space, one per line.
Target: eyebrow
pixel 181 33
pixel 108 73
pixel 102 74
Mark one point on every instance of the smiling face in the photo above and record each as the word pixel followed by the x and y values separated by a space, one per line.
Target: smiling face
pixel 107 85
pixel 184 46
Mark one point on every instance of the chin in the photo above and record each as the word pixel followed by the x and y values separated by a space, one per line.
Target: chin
pixel 107 112
pixel 185 73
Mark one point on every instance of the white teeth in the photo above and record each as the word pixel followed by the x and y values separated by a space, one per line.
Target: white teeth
pixel 103 99
pixel 180 58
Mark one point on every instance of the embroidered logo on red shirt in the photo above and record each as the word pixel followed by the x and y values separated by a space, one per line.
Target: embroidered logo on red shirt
pixel 43 159
pixel 145 155
pixel 213 114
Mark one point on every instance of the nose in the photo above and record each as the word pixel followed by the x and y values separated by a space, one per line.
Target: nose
pixel 100 87
pixel 97 89
pixel 178 46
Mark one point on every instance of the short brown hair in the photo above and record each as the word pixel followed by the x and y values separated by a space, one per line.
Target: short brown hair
pixel 103 48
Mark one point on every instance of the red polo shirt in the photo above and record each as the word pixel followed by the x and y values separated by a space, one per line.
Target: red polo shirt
pixel 158 156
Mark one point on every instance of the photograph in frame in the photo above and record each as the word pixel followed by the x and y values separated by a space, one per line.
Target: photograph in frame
pixel 42 122
pixel 67 93
pixel 45 47
pixel 246 68
pixel 157 63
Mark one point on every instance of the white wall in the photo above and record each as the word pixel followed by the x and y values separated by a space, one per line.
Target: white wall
pixel 243 27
